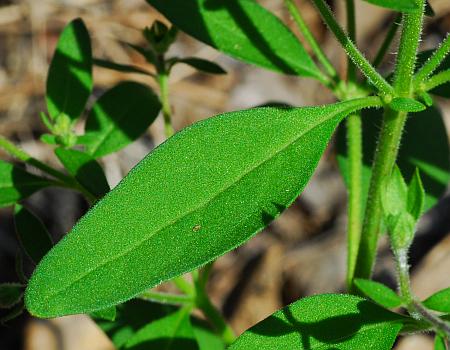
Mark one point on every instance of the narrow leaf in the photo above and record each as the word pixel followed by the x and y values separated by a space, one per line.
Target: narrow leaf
pixel 416 196
pixel 439 301
pixel 439 343
pixel 177 209
pixel 85 169
pixel 328 321
pixel 69 81
pixel 202 65
pixel 17 184
pixel 406 105
pixel 119 117
pixel 108 314
pixel 397 5
pixel 173 332
pixel 431 155
pixel 125 68
pixel 243 29
pixel 10 294
pixel 444 89
pixel 379 293
pixel 395 194
pixel 33 235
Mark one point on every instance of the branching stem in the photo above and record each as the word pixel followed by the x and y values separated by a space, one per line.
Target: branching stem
pixel 433 62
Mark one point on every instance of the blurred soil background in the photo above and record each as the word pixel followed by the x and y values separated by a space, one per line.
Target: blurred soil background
pixel 301 253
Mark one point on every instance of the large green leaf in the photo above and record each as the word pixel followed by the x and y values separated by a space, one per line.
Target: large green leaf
pixel 242 29
pixel 119 117
pixel 329 321
pixel 17 184
pixel 200 194
pixel 397 5
pixel 424 145
pixel 379 293
pixel 173 332
pixel 33 235
pixel 85 169
pixel 69 81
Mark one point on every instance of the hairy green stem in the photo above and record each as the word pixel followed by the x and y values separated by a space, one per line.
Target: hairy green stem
pixel 388 143
pixel 354 147
pixel 351 31
pixel 433 62
pixel 352 51
pixel 167 298
pixel 213 315
pixel 436 80
pixel 64 180
pixel 309 37
pixel 387 41
pixel 163 81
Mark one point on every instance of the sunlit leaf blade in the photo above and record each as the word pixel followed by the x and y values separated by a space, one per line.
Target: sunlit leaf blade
pixel 406 105
pixel 379 293
pixel 439 343
pixel 108 314
pixel 33 235
pixel 179 207
pixel 397 5
pixel 85 169
pixel 119 117
pixel 242 29
pixel 124 68
pixel 69 81
pixel 10 294
pixel 328 321
pixel 431 155
pixel 202 65
pixel 17 184
pixel 173 332
pixel 439 301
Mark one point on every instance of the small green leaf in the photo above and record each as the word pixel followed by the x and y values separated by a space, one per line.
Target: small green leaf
pixel 17 184
pixel 69 81
pixel 119 117
pixel 426 98
pixel 33 235
pixel 397 5
pixel 10 294
pixel 49 139
pixel 158 223
pixel 108 314
pixel 173 332
pixel 439 343
pixel 328 321
pixel 401 230
pixel 243 29
pixel 85 169
pixel 125 68
pixel 416 196
pixel 431 155
pixel 439 301
pixel 379 293
pixel 395 195
pixel 202 65
pixel 404 104
pixel 207 339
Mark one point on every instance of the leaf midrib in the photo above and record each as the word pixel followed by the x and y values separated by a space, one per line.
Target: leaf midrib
pixel 201 205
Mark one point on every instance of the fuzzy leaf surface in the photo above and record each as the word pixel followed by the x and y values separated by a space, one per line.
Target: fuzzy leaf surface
pixel 242 29
pixel 416 196
pixel 69 81
pixel 379 293
pixel 406 104
pixel 119 117
pixel 397 5
pixel 203 192
pixel 431 155
pixel 17 184
pixel 439 301
pixel 33 235
pixel 328 321
pixel 85 169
